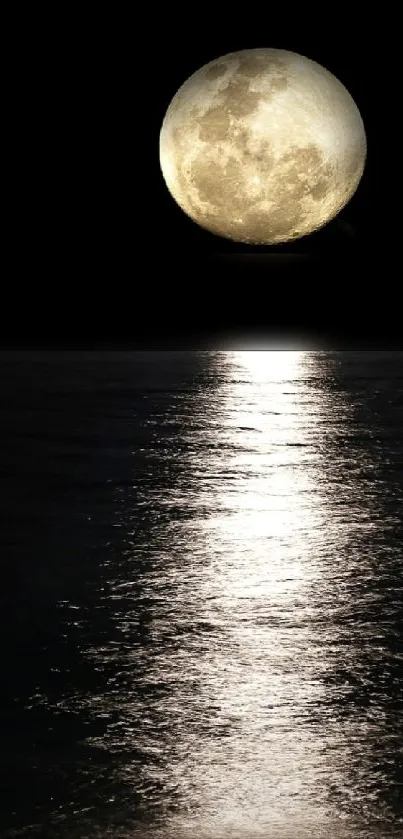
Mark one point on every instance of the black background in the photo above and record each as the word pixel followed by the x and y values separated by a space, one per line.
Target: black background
pixel 102 255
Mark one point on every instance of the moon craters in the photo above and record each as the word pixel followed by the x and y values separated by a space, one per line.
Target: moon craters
pixel 262 146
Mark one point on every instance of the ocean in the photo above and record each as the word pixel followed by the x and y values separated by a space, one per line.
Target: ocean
pixel 202 594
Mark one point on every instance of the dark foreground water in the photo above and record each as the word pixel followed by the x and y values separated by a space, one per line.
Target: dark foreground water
pixel 202 595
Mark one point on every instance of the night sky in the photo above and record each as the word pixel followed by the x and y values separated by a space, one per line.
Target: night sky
pixel 104 257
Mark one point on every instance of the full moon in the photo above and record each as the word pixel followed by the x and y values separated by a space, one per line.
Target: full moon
pixel 262 146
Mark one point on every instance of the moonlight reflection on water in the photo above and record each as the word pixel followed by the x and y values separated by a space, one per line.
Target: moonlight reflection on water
pixel 239 614
pixel 247 598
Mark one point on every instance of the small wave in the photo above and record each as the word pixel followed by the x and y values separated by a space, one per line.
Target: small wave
pixel 248 428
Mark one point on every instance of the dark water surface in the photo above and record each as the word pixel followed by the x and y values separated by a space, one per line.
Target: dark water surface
pixel 202 595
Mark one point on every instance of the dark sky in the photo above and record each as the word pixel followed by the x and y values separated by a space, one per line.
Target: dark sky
pixel 103 256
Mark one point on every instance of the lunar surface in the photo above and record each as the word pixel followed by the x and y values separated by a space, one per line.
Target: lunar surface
pixel 262 146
